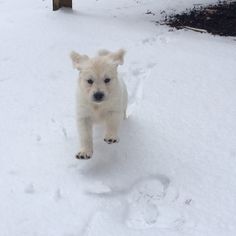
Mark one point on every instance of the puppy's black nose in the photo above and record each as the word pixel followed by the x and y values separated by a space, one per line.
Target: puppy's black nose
pixel 98 96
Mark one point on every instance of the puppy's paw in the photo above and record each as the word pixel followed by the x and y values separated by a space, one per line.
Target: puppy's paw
pixel 111 139
pixel 83 155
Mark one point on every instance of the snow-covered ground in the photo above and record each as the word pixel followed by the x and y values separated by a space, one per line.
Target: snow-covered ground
pixel 174 170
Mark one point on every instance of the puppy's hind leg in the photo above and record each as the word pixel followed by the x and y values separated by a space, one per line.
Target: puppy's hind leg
pixel 125 115
pixel 125 107
pixel 125 102
pixel 86 138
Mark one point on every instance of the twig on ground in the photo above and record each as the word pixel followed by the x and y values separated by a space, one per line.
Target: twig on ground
pixel 195 29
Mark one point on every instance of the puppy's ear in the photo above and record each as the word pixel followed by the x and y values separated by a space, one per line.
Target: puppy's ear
pixel 117 57
pixel 78 60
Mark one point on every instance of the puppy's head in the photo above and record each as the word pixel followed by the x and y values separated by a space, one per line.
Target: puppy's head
pixel 98 75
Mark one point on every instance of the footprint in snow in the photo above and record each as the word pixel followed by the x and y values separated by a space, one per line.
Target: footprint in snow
pixel 29 189
pixel 149 41
pixel 135 84
pixel 150 202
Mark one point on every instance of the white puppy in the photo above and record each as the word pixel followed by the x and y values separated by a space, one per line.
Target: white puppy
pixel 101 97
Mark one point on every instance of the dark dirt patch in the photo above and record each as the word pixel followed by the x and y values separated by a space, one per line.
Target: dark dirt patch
pixel 219 19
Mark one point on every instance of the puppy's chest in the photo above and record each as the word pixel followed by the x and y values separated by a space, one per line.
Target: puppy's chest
pixel 98 113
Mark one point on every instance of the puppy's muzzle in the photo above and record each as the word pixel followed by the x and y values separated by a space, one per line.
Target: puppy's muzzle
pixel 98 96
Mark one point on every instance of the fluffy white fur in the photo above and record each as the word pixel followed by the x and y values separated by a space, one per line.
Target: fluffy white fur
pixel 102 71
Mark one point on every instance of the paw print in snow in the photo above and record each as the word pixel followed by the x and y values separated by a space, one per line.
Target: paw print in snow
pixel 152 204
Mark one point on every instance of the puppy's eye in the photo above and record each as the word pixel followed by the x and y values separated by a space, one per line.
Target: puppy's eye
pixel 107 80
pixel 90 81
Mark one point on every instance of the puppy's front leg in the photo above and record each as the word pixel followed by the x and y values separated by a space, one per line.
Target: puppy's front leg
pixel 112 121
pixel 86 138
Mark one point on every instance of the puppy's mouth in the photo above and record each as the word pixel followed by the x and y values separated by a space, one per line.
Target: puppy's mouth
pixel 98 102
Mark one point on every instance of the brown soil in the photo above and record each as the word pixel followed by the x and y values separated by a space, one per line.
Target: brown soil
pixel 217 19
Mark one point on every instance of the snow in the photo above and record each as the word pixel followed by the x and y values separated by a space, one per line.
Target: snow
pixel 174 170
